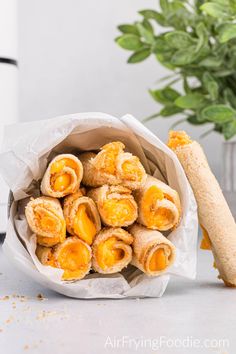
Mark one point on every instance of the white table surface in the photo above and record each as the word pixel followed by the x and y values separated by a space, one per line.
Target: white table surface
pixel 202 309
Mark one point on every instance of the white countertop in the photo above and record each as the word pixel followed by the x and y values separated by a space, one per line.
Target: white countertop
pixel 201 310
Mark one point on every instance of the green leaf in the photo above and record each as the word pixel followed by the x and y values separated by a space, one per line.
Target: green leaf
pixel 139 56
pixel 148 26
pixel 211 85
pixel 218 113
pixel 129 42
pixel 166 96
pixel 131 29
pixel 229 129
pixel 153 15
pixel 215 10
pixel 170 111
pixel 183 56
pixel 164 5
pixel 191 101
pixel 160 45
pixel 178 39
pixel 146 34
pixel 194 120
pixel 202 34
pixel 227 32
pixel 211 62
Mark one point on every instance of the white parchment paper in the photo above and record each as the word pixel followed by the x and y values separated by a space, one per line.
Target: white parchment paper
pixel 27 149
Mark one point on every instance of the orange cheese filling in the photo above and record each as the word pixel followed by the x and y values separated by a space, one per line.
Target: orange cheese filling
pixel 107 254
pixel 73 259
pixel 206 242
pixel 177 139
pixel 154 216
pixel 131 169
pixel 106 159
pixel 158 260
pixel 47 221
pixel 118 211
pixel 83 226
pixel 62 181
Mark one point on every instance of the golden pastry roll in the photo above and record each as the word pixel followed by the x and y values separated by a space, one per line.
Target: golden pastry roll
pixel 63 176
pixel 45 217
pixel 215 216
pixel 115 204
pixel 158 205
pixel 50 241
pixel 72 255
pixel 112 250
pixel 82 217
pixel 153 253
pixel 113 166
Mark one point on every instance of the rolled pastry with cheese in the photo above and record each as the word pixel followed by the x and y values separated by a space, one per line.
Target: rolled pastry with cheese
pixel 115 204
pixel 112 250
pixel 112 166
pixel 82 217
pixel 153 253
pixel 50 241
pixel 45 217
pixel 214 214
pixel 72 255
pixel 63 176
pixel 158 205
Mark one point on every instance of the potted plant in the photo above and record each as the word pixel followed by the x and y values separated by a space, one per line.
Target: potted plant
pixel 198 44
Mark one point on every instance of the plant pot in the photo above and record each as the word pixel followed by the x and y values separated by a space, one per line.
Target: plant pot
pixel 228 174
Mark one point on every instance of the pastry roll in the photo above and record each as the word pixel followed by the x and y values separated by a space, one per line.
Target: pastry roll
pixel 112 166
pixel 45 217
pixel 153 253
pixel 111 250
pixel 50 241
pixel 158 205
pixel 63 176
pixel 115 204
pixel 82 217
pixel 214 214
pixel 72 255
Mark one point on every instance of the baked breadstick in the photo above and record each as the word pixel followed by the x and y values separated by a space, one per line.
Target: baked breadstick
pixel 153 253
pixel 63 176
pixel 158 205
pixel 82 217
pixel 112 166
pixel 111 250
pixel 214 213
pixel 45 217
pixel 73 256
pixel 115 204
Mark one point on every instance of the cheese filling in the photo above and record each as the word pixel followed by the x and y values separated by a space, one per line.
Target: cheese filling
pixel 73 259
pixel 47 221
pixel 106 159
pixel 61 181
pixel 159 261
pixel 179 138
pixel 155 216
pixel 108 254
pixel 206 242
pixel 83 225
pixel 132 169
pixel 118 211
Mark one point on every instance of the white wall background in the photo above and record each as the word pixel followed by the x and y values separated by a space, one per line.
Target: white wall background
pixel 70 63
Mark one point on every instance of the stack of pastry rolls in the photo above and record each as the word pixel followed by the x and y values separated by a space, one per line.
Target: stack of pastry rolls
pixel 100 211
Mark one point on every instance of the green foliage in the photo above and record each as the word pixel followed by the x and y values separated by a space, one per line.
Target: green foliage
pixel 197 43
